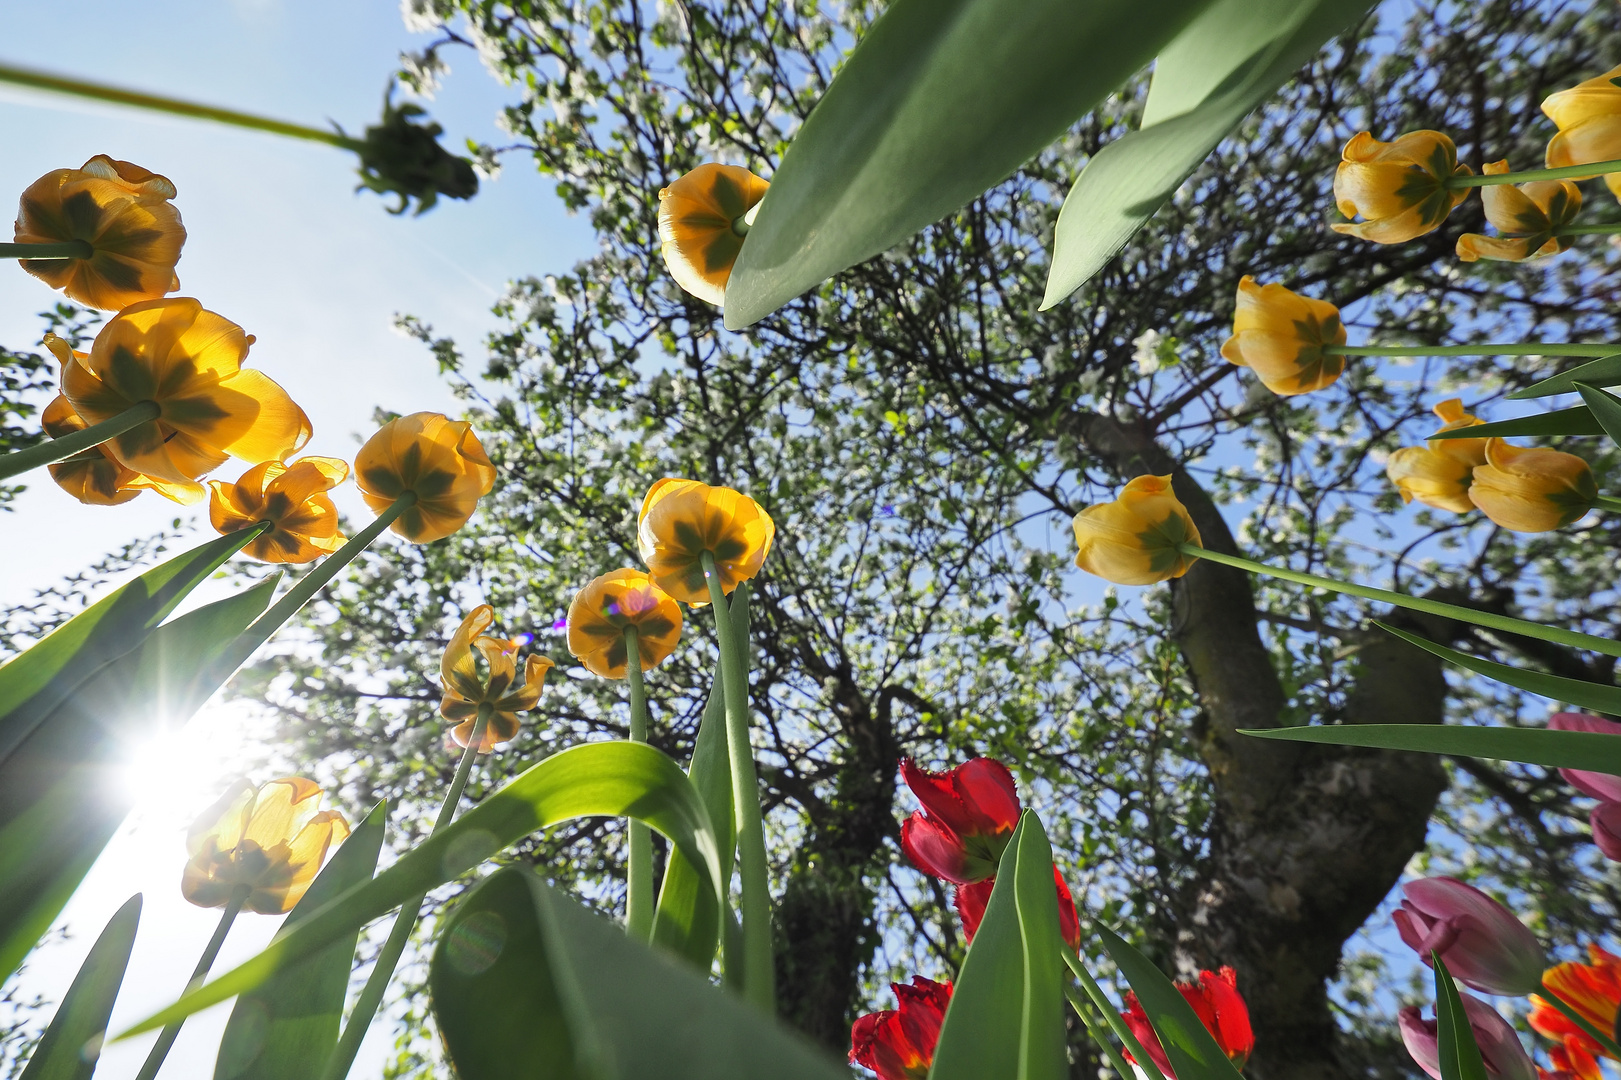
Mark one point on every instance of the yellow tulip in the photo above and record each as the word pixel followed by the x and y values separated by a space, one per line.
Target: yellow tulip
pixel 123 212
pixel 304 523
pixel 466 688
pixel 1399 188
pixel 188 361
pixel 438 458
pixel 1135 539
pixel 1532 489
pixel 703 218
pixel 601 612
pixel 94 476
pixel 269 842
pixel 1280 335
pixel 1439 474
pixel 1526 216
pixel 683 519
pixel 1588 117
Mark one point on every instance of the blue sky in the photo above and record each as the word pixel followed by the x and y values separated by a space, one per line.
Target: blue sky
pixel 280 243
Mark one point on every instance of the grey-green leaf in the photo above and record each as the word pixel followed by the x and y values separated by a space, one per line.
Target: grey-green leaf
pixel 525 982
pixel 1600 697
pixel 1229 59
pixel 1456 1047
pixel 1605 371
pixel 1590 750
pixel 71 1044
pixel 939 101
pixel 284 1028
pixel 1193 1052
pixel 1576 421
pixel 1606 409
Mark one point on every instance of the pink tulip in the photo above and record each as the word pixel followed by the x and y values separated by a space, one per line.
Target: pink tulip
pixel 1480 940
pixel 1499 1046
pixel 1606 822
pixel 1600 785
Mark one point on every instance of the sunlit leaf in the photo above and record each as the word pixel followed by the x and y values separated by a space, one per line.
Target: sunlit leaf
pixel 525 981
pixel 615 779
pixel 939 101
pixel 71 1044
pixel 1193 1052
pixel 1225 63
pixel 285 1028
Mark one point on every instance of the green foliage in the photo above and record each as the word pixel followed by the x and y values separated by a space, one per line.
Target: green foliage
pixel 72 1043
pixel 1536 746
pixel 1574 421
pixel 1455 1036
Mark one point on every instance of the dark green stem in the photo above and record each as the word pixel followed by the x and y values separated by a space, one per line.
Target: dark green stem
pixel 1416 603
pixel 66 249
pixel 1111 1015
pixel 166 1037
pixel 639 902
pixel 51 451
pixel 1521 348
pixel 759 974
pixel 1566 172
pixel 1604 1040
pixel 1099 1036
pixel 371 996
pixel 40 80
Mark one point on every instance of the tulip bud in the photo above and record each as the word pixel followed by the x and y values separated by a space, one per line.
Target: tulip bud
pixel 681 520
pixel 1600 785
pixel 1499 1046
pixel 1480 940
pixel 609 605
pixel 1532 489
pixel 1527 218
pixel 1280 335
pixel 1399 188
pixel 703 218
pixel 1588 117
pixel 1136 540
pixel 1439 473
pixel 968 817
pixel 438 459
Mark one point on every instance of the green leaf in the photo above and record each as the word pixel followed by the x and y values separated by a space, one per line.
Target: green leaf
pixel 1006 1018
pixel 618 779
pixel 1455 1036
pixel 1193 1052
pixel 1225 63
pixel 524 974
pixel 284 1028
pixel 1606 409
pixel 1605 371
pixel 1576 421
pixel 36 682
pixel 939 101
pixel 63 791
pixel 1591 750
pixel 71 1045
pixel 1586 695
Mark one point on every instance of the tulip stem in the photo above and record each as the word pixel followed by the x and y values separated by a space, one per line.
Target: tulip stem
pixel 1588 230
pixel 1566 172
pixel 1605 1041
pixel 1607 502
pixel 301 592
pixel 40 80
pixel 1520 348
pixel 639 884
pixel 1099 1036
pixel 1415 603
pixel 65 249
pixel 343 1054
pixel 1111 1015
pixel 51 451
pixel 759 975
pixel 166 1037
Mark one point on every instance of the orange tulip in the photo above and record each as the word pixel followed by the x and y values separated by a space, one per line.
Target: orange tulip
pixel 703 218
pixel 188 361
pixel 1280 335
pixel 304 523
pixel 1593 990
pixel 123 212
pixel 608 606
pixel 1135 539
pixel 1532 489
pixel 1588 117
pixel 1399 188
pixel 1439 474
pixel 466 688
pixel 681 520
pixel 439 459
pixel 1526 217
pixel 269 842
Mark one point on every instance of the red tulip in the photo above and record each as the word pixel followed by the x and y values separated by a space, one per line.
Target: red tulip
pixel 1593 990
pixel 1482 943
pixel 1500 1048
pixel 968 816
pixel 1605 786
pixel 970 901
pixel 898 1044
pixel 1220 1008
pixel 1571 1061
